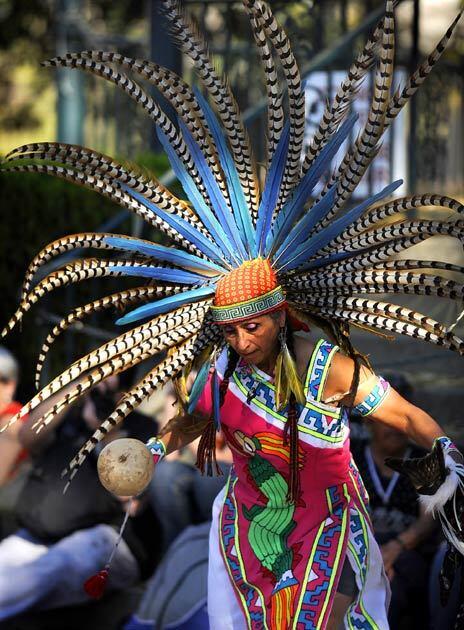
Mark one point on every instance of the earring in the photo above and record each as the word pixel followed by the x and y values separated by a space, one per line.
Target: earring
pixel 281 382
pixel 287 381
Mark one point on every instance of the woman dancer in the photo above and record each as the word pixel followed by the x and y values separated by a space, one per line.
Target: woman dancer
pixel 291 526
pixel 291 539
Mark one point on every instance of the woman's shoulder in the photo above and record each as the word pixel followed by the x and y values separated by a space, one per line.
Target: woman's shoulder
pixel 304 348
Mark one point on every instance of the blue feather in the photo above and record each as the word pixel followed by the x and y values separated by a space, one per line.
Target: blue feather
pixel 306 250
pixel 295 205
pixel 166 304
pixel 216 394
pixel 332 258
pixel 194 195
pixel 198 386
pixel 186 230
pixel 307 223
pixel 237 197
pixel 272 189
pixel 163 274
pixel 162 253
pixel 222 210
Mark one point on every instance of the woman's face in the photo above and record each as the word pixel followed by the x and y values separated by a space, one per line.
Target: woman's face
pixel 256 339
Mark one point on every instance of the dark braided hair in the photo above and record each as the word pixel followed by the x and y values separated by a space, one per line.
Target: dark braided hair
pixel 206 452
pixel 342 336
pixel 291 432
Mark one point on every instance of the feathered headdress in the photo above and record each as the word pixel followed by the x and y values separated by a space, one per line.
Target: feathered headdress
pixel 326 258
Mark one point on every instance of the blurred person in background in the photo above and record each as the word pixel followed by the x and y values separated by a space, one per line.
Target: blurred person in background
pixel 405 533
pixel 65 538
pixel 13 456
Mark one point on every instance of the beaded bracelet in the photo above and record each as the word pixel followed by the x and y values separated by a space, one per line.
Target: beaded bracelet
pixel 156 448
pixel 446 443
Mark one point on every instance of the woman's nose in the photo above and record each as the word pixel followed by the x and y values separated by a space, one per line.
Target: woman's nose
pixel 243 341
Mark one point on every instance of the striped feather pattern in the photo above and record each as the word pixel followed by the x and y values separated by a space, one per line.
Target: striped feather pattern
pixel 355 164
pixel 97 164
pixel 176 91
pixel 59 247
pixel 374 246
pixel 411 263
pixel 378 288
pixel 296 96
pixel 136 93
pixel 275 114
pixel 385 211
pixel 388 324
pixel 129 341
pixel 142 351
pixel 337 110
pixel 402 229
pixel 387 309
pixel 380 279
pixel 71 273
pixel 158 376
pixel 400 98
pixel 113 192
pixel 100 240
pixel 367 258
pixel 194 46
pixel 119 300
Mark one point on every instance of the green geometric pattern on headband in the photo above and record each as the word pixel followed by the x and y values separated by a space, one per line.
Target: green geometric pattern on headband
pixel 250 308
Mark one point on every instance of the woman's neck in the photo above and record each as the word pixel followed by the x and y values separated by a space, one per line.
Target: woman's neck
pixel 268 365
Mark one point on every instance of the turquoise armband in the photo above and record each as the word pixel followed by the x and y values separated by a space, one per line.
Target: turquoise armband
pixel 375 398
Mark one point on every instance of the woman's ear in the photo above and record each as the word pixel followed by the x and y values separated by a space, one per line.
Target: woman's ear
pixel 282 318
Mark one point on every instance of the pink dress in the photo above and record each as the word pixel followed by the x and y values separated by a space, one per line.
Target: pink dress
pixel 284 560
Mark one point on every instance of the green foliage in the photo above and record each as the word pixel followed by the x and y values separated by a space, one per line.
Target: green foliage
pixel 30 31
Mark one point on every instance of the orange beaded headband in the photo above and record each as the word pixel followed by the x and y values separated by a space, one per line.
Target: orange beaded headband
pixel 247 291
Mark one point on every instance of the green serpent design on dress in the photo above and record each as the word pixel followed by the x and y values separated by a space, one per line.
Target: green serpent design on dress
pixel 270 525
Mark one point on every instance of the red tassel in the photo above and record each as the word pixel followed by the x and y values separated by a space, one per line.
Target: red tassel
pixel 96 584
pixel 297 324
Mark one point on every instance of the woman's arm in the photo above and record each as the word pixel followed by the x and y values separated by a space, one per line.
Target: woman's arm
pixel 181 431
pixel 394 411
pixel 421 529
pixel 10 448
pixel 400 414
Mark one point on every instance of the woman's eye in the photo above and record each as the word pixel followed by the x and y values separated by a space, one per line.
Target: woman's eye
pixel 229 331
pixel 252 327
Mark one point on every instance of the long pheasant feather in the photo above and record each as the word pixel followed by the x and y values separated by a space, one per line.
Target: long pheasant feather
pixel 194 46
pixel 296 96
pixel 164 371
pixel 120 300
pixel 275 114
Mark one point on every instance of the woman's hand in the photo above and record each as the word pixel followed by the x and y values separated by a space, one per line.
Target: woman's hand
pixel 390 552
